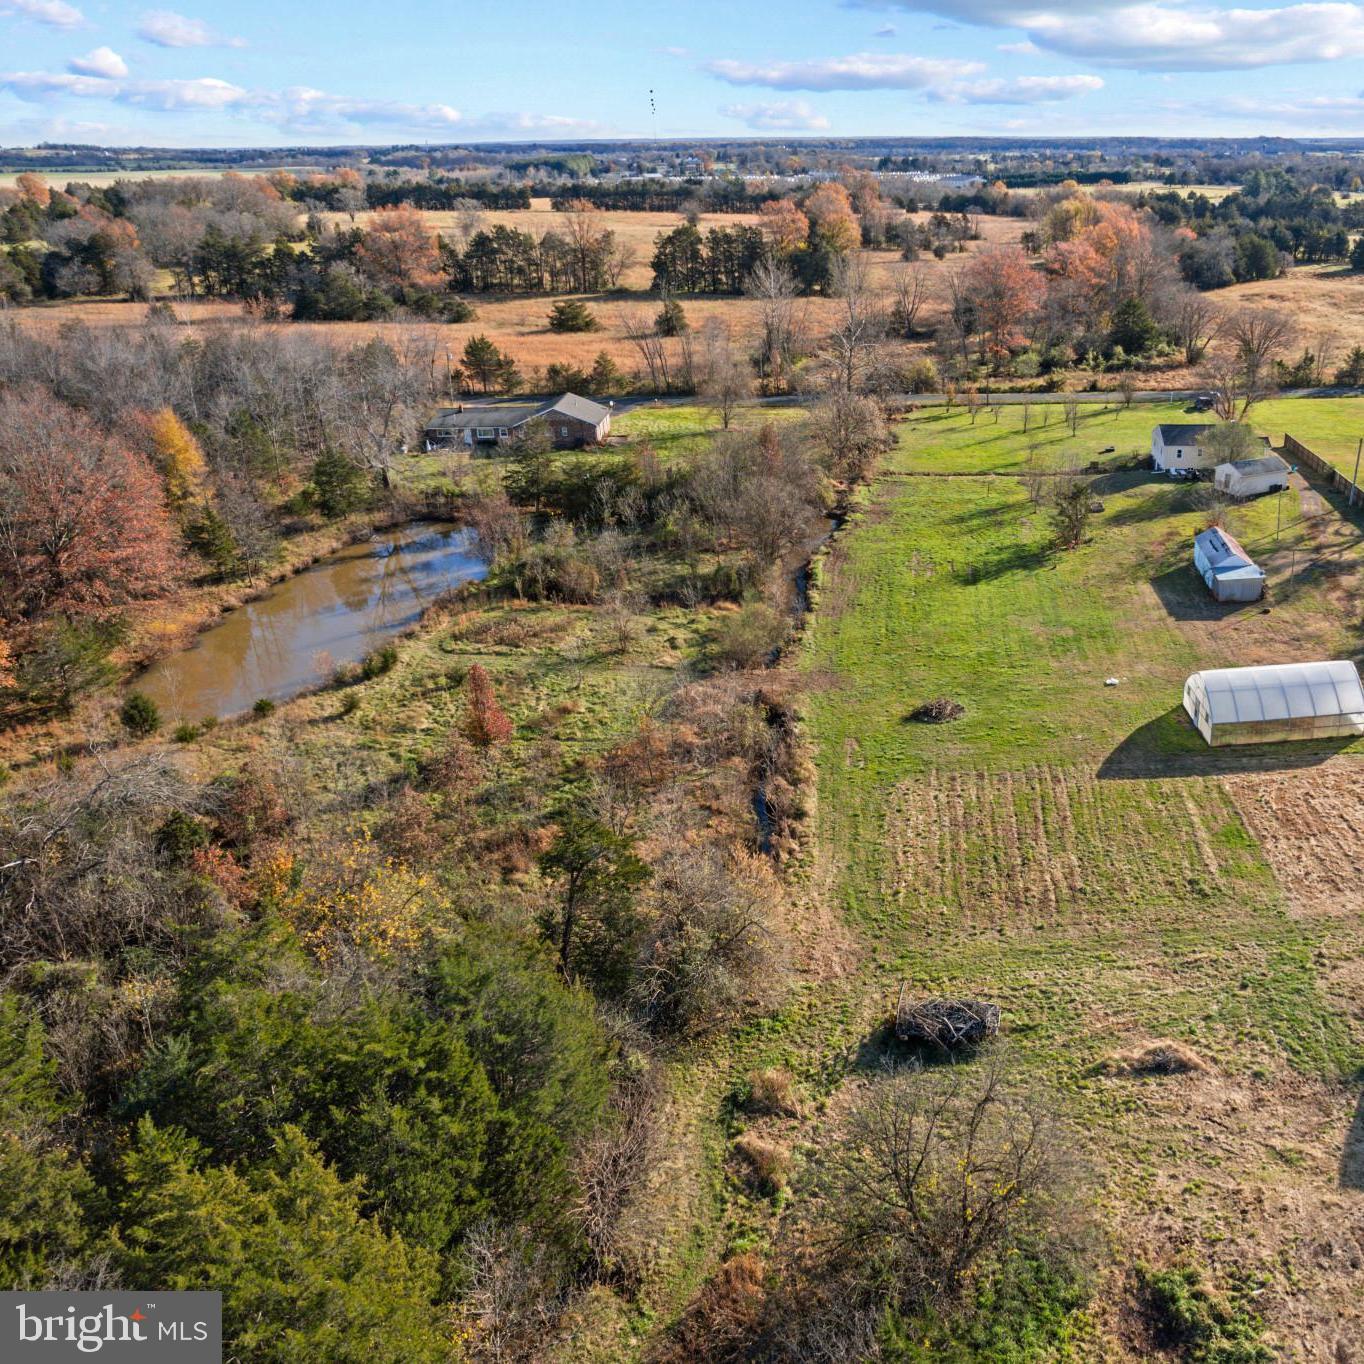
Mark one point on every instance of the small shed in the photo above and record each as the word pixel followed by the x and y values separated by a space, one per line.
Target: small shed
pixel 1277 702
pixel 1230 573
pixel 1251 477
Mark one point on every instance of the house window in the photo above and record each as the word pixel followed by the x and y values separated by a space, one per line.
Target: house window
pixel 563 433
pixel 483 433
pixel 502 433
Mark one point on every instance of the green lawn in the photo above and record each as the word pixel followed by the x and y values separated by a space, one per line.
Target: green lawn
pixel 1006 437
pixel 1330 426
pixel 1065 847
pixel 678 429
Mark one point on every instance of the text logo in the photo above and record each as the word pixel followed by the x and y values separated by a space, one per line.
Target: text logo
pixel 115 1328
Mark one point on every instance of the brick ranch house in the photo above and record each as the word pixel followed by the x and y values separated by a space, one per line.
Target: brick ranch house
pixel 572 421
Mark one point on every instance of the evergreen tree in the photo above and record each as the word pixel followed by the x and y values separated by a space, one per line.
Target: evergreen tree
pixel 211 538
pixel 304 1276
pixel 339 484
pixel 572 315
pixel 43 1189
pixel 1133 327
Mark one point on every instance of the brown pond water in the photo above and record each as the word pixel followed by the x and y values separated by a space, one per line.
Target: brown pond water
pixel 294 637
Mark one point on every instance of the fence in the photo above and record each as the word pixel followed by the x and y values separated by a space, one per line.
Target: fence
pixel 1313 462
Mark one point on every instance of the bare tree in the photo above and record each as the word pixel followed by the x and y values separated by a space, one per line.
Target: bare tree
pixel 909 293
pixel 725 380
pixel 852 351
pixel 639 327
pixel 780 314
pixel 1195 322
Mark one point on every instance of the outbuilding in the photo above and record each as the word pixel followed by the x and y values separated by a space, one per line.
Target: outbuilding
pixel 1250 477
pixel 1277 702
pixel 1230 573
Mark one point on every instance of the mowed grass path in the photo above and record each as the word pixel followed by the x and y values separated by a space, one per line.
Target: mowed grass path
pixel 1034 851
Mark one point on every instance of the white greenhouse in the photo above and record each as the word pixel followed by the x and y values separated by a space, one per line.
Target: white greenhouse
pixel 1280 701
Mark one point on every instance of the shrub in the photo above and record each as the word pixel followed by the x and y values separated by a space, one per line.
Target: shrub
pixel 263 707
pixel 339 485
pixel 768 1163
pixel 772 1091
pixel 747 638
pixel 139 715
pixel 379 661
pixel 1203 1326
pixel 350 703
pixel 485 722
pixel 185 733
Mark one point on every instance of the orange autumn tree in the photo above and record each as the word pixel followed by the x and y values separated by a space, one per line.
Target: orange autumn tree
pixel 830 212
pixel 1003 290
pixel 6 666
pixel 784 225
pixel 34 188
pixel 83 525
pixel 1110 258
pixel 485 722
pixel 399 250
pixel 182 463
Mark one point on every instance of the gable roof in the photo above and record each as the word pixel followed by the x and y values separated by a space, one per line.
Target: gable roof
pixel 1266 464
pixel 1224 555
pixel 1182 433
pixel 1282 691
pixel 584 409
pixel 512 415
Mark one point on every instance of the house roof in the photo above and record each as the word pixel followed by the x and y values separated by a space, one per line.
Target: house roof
pixel 511 415
pixel 1182 433
pixel 584 409
pixel 1266 464
pixel 1282 691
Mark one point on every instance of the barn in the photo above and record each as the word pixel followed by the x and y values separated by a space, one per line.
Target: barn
pixel 1276 702
pixel 1230 573
pixel 1250 477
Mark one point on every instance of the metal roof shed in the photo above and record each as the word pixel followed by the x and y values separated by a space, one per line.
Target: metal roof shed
pixel 1230 573
pixel 1276 702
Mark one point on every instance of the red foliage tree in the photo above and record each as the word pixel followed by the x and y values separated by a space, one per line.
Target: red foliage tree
pixel 485 722
pixel 399 248
pixel 1004 290
pixel 83 527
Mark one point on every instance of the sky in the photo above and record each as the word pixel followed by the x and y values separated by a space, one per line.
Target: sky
pixel 271 73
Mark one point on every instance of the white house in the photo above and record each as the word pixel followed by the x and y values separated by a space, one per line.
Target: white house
pixel 1281 701
pixel 1251 477
pixel 1177 447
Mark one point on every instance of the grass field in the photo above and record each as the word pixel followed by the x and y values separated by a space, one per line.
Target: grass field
pixel 1074 852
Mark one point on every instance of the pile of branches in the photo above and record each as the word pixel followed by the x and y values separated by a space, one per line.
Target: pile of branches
pixel 938 711
pixel 949 1024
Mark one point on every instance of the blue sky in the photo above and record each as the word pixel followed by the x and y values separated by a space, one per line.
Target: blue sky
pixel 253 72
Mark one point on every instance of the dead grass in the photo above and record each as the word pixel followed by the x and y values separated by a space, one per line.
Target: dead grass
pixel 1162 1057
pixel 766 1164
pixel 772 1091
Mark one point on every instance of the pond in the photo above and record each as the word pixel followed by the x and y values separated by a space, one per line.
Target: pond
pixel 295 637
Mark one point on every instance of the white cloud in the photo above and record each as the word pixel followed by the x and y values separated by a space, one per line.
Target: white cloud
pixel 1019 90
pixel 1027 48
pixel 1167 37
pixel 300 109
pixel 55 13
pixel 166 28
pixel 103 61
pixel 885 31
pixel 861 71
pixel 787 114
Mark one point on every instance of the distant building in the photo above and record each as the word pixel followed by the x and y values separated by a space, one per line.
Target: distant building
pixel 1281 701
pixel 572 421
pixel 1178 447
pixel 1230 573
pixel 1251 477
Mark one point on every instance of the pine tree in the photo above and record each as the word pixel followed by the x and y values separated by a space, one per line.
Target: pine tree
pixel 605 376
pixel 485 722
pixel 210 537
pixel 572 315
